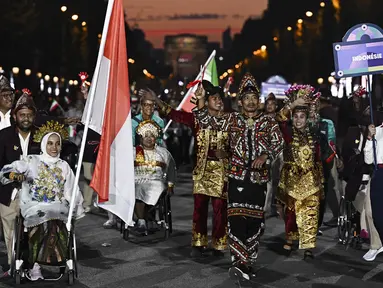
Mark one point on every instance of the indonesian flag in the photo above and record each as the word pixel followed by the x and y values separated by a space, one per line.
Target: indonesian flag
pixel 54 105
pixel 113 177
pixel 209 73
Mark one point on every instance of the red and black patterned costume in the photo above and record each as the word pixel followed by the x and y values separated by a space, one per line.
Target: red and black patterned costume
pixel 249 138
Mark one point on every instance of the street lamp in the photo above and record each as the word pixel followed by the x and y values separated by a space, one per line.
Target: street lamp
pixel 300 21
pixel 71 82
pixel 64 8
pixel 28 72
pixel 263 47
pixel 74 17
pixel 83 24
pixel 46 77
pixel 55 79
pixel 320 81
pixel 275 39
pixel 39 74
pixel 309 14
pixel 322 4
pixel 75 82
pixel 15 70
pixel 289 28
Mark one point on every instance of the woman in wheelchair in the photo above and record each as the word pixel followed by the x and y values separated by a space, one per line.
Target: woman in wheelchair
pixel 155 174
pixel 47 183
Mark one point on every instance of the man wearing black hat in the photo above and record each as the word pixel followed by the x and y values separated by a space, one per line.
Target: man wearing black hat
pixel 16 142
pixel 208 125
pixel 7 97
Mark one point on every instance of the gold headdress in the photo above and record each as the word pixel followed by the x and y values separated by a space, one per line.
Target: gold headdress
pixel 51 127
pixel 25 101
pixel 248 84
pixel 148 126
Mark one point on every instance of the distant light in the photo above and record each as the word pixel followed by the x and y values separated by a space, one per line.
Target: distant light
pixel 220 58
pixel 263 47
pixel 41 81
pixel 28 72
pixel 55 79
pixel 309 14
pixel 221 77
pixel 71 82
pixel 1 70
pixel 145 71
pixel 331 79
pixel 300 21
pixel 64 8
pixel 289 28
pixel 67 90
pixel 42 86
pixel 99 36
pixel 75 82
pixel 236 66
pixel 180 83
pixel 275 39
pixel 322 4
pixel 15 70
pixel 130 60
pixel 39 74
pixel 63 80
pixel 83 24
pixel 182 92
pixel 49 90
pixel 74 17
pixel 229 71
pixel 46 77
pixel 166 91
pixel 57 91
pixel 320 81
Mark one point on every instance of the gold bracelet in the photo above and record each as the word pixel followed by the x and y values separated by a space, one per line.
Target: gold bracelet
pixel 12 175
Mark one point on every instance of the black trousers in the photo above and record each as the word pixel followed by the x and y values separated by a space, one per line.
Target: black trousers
pixel 245 219
pixel 376 196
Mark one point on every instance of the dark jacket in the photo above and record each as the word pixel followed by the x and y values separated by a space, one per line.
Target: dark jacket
pixel 10 151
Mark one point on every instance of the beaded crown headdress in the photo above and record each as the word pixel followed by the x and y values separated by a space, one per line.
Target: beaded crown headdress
pixel 308 93
pixel 25 100
pixel 51 127
pixel 148 126
pixel 248 84
pixel 5 85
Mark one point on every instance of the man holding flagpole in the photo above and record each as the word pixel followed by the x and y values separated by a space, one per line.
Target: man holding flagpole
pixel 209 171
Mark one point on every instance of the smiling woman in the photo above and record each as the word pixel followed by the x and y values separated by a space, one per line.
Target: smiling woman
pixel 158 18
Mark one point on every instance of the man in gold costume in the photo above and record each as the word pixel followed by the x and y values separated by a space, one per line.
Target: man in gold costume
pixel 209 125
pixel 300 187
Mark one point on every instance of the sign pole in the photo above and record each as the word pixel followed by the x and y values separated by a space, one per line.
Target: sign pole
pixel 372 121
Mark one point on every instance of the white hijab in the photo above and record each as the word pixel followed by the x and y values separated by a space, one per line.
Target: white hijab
pixel 45 157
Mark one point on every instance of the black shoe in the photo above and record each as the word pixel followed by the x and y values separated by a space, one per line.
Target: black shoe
pixel 308 255
pixel 319 233
pixel 197 252
pixel 252 273
pixel 218 253
pixel 239 274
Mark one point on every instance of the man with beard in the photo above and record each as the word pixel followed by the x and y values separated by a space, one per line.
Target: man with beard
pixel 209 125
pixel 15 143
pixel 255 140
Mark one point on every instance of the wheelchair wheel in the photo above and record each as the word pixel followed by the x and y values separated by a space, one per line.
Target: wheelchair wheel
pixel 17 276
pixel 16 250
pixel 70 277
pixel 75 255
pixel 344 221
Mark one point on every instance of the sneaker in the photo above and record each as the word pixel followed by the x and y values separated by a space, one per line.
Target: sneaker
pixel 109 224
pixel 35 273
pixel 371 254
pixel 6 274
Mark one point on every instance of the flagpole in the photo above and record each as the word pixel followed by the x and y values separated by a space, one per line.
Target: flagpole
pixel 191 88
pixel 89 110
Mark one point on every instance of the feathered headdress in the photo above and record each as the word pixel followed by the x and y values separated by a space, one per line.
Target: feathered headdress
pixel 49 127
pixel 148 126
pixel 308 93
pixel 248 85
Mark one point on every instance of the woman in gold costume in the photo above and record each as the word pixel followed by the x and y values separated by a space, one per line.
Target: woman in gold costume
pixel 300 187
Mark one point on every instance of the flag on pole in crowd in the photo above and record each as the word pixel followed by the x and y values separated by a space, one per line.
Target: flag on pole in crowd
pixel 54 105
pixel 67 100
pixel 208 72
pixel 72 131
pixel 110 116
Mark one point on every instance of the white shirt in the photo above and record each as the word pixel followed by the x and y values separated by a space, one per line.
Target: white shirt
pixel 368 149
pixel 5 120
pixel 24 147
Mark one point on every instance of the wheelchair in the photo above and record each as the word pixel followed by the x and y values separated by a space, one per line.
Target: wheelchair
pixel 163 207
pixel 20 254
pixel 349 224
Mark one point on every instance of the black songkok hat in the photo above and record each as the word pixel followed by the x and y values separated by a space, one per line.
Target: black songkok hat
pixel 5 86
pixel 211 90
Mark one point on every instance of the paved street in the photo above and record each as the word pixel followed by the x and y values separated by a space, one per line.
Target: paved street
pixel 153 262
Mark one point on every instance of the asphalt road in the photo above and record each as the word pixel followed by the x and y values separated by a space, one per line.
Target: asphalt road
pixel 154 262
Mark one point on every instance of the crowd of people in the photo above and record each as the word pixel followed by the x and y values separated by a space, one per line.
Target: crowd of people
pixel 264 160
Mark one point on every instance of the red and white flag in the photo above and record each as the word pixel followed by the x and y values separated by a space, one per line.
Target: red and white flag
pixel 54 105
pixel 113 177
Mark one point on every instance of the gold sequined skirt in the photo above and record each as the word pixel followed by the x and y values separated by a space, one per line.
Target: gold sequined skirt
pixel 213 182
